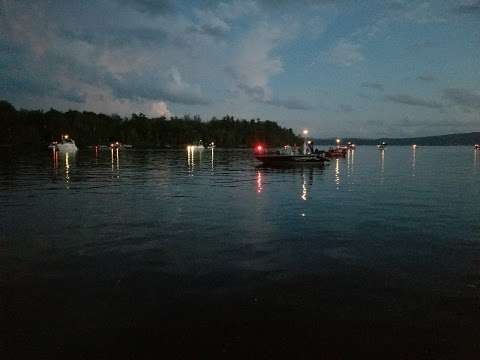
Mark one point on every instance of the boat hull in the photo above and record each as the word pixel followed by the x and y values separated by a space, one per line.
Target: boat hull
pixel 291 159
pixel 66 147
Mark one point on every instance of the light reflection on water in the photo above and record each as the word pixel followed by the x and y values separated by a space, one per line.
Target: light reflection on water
pixel 217 209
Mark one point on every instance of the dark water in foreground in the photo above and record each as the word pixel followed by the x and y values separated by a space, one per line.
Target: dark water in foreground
pixel 145 252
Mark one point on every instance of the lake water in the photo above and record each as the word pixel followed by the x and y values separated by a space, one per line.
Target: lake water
pixel 132 238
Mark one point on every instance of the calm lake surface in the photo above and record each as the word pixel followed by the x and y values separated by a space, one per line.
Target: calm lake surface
pixel 165 240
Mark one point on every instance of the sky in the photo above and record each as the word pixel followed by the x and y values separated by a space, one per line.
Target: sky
pixel 341 68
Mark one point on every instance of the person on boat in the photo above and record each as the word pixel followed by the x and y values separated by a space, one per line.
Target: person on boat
pixel 310 147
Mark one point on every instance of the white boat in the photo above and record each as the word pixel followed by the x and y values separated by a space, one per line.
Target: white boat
pixel 64 145
pixel 381 146
pixel 197 146
pixel 476 146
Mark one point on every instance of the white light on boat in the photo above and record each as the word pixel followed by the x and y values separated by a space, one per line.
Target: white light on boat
pixel 305 132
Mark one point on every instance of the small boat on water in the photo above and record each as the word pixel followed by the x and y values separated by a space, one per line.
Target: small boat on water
pixel 198 146
pixel 211 145
pixel 64 145
pixel 290 156
pixel 119 145
pixel 476 146
pixel 382 146
pixel 339 151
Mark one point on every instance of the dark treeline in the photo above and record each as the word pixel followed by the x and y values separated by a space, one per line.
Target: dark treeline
pixel 38 128
pixel 440 140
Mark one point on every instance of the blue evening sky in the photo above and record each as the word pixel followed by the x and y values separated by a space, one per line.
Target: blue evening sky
pixel 338 67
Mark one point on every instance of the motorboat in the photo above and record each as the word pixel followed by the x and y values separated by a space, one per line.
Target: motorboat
pixel 476 146
pixel 382 146
pixel 64 145
pixel 198 146
pixel 289 156
pixel 118 145
pixel 211 145
pixel 340 151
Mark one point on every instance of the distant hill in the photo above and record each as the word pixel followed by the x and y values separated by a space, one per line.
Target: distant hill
pixel 441 140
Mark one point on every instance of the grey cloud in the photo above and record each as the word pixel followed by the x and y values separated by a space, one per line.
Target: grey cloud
pixel 345 108
pixel 120 37
pixel 426 78
pixel 421 46
pixel 291 103
pixel 154 7
pixel 345 53
pixel 137 87
pixel 396 5
pixel 257 93
pixel 213 30
pixel 75 97
pixel 413 101
pixel 372 85
pixel 364 96
pixel 468 8
pixel 463 97
pixel 279 3
pixel 430 123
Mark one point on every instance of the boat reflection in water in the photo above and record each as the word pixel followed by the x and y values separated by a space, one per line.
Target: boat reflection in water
pixel 382 165
pixel 115 156
pixel 63 161
pixel 414 158
pixel 194 158
pixel 307 174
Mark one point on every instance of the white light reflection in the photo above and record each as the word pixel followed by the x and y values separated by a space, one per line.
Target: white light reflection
pixel 67 167
pixel 259 182
pixel 351 158
pixel 337 173
pixel 212 159
pixel 304 188
pixel 414 159
pixel 190 160
pixel 115 161
pixel 55 159
pixel 476 159
pixel 382 164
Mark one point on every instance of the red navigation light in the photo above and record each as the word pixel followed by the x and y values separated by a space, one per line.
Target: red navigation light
pixel 259 148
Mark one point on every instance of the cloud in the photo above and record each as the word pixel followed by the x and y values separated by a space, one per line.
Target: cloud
pixel 153 7
pixel 426 78
pixel 345 108
pixel 415 12
pixel 421 45
pixel 468 8
pixel 372 85
pixel 413 101
pixel 364 96
pixel 345 53
pixel 257 93
pixel 215 21
pixel 396 5
pixel 160 109
pixel 253 64
pixel 291 104
pixel 465 98
pixel 167 86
